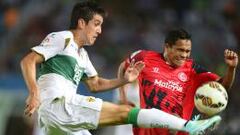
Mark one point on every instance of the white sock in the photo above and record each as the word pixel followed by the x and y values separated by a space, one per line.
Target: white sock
pixel 152 118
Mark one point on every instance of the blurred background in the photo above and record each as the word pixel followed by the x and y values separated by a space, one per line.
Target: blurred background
pixel 131 25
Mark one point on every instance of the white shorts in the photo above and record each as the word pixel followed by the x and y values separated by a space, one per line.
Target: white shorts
pixel 70 115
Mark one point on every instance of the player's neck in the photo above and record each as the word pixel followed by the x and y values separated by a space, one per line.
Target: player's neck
pixel 168 62
pixel 165 57
pixel 77 39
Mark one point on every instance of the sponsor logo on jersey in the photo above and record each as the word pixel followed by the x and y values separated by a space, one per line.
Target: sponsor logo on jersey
pixel 182 77
pixel 170 84
pixel 78 74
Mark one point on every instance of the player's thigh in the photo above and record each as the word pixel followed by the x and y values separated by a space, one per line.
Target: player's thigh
pixel 53 130
pixel 81 132
pixel 71 114
pixel 113 114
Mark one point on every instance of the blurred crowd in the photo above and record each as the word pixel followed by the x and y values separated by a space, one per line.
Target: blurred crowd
pixel 131 25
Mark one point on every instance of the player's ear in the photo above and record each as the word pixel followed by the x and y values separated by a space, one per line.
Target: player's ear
pixel 81 23
pixel 167 45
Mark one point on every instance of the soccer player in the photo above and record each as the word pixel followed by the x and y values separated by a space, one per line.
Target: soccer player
pixel 64 63
pixel 169 80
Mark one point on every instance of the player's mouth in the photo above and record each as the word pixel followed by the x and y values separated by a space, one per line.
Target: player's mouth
pixel 180 61
pixel 95 37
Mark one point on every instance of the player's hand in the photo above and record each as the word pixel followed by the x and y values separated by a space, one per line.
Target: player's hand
pixel 133 70
pixel 121 70
pixel 231 58
pixel 32 104
pixel 214 85
pixel 127 103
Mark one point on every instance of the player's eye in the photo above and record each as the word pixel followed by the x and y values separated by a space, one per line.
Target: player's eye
pixel 96 24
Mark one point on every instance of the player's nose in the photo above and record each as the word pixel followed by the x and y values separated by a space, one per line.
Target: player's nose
pixel 99 30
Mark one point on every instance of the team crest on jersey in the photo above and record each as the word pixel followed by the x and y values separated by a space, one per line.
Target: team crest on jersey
pixel 90 99
pixel 182 76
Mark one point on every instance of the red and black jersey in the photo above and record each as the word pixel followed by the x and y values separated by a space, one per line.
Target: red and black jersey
pixel 167 88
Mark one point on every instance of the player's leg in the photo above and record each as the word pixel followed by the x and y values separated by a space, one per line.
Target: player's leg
pixel 82 112
pixel 112 114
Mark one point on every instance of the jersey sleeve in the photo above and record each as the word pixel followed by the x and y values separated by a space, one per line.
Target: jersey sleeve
pixel 203 75
pixel 50 46
pixel 136 56
pixel 90 71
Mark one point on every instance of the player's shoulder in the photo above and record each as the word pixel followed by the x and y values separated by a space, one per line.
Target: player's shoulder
pixel 83 51
pixel 136 53
pixel 154 53
pixel 143 53
pixel 189 62
pixel 62 34
pixel 198 68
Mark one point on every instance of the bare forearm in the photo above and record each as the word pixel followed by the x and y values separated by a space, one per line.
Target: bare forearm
pixel 231 59
pixel 98 84
pixel 229 77
pixel 108 84
pixel 28 66
pixel 29 74
pixel 122 95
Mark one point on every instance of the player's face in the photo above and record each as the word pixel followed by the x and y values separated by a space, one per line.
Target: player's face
pixel 177 54
pixel 92 29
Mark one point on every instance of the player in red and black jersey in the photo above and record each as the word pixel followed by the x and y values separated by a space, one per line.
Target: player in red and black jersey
pixel 169 80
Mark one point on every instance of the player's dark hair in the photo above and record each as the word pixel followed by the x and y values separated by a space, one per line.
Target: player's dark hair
pixel 175 35
pixel 85 10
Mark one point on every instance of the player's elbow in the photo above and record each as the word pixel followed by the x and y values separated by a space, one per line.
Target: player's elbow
pixel 24 62
pixel 93 88
pixel 93 84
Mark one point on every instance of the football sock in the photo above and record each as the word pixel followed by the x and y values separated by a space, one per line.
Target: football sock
pixel 154 118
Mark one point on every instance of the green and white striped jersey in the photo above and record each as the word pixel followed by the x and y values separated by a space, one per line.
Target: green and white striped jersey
pixel 64 66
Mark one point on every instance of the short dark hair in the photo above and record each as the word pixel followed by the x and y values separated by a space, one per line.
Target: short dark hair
pixel 85 10
pixel 175 35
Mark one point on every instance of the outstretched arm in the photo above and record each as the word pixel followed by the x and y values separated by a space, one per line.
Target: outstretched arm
pixel 98 84
pixel 122 89
pixel 231 59
pixel 122 92
pixel 28 66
